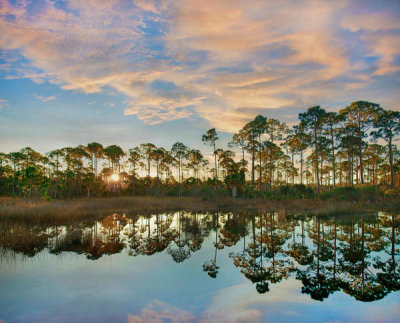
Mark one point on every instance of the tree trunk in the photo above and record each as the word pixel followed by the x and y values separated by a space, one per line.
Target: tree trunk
pixel 157 178
pixel 243 157
pixel 56 189
pixel 95 165
pixel 333 159
pixel 260 170
pixel 179 178
pixel 301 167
pixel 270 168
pixel 292 168
pixel 348 169
pixel 15 168
pixel 215 163
pixel 373 174
pixel 361 161
pixel 321 174
pixel 252 163
pixel 316 159
pixel 391 163
pixel 357 179
pixel 133 181
pixel 234 191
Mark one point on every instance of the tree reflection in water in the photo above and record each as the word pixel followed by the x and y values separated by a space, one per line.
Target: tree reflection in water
pixel 358 255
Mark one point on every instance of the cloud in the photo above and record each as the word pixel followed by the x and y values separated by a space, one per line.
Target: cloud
pixel 162 101
pixel 284 303
pixel 157 311
pixel 379 32
pixel 241 303
pixel 237 303
pixel 2 103
pixel 371 21
pixel 381 45
pixel 148 5
pixel 45 98
pixel 156 114
pixel 179 59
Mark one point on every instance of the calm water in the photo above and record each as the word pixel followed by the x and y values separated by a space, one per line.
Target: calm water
pixel 185 267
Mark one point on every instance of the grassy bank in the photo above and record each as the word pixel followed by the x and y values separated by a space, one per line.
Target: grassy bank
pixel 57 211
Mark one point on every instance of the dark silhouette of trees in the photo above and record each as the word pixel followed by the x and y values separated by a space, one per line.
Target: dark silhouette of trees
pixel 387 124
pixel 331 129
pixel 114 153
pixel 179 151
pixel 134 158
pixel 210 137
pixel 147 152
pixel 258 128
pixel 96 150
pixel 312 122
pixel 341 155
pixel 55 156
pixel 359 116
pixel 239 139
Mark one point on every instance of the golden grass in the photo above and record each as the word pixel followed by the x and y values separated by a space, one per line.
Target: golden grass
pixel 61 211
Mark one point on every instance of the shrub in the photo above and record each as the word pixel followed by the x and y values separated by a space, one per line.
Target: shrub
pixel 297 191
pixel 356 193
pixel 392 193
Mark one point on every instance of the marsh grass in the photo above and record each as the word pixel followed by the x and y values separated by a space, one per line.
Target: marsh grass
pixel 82 210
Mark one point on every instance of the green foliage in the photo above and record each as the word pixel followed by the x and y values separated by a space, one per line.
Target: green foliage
pixel 341 193
pixel 33 182
pixel 392 193
pixel 360 193
pixel 235 179
pixel 297 191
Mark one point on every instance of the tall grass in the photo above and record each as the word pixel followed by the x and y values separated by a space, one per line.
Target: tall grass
pixel 64 211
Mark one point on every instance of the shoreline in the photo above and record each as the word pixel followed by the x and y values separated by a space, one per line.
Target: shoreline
pixel 38 211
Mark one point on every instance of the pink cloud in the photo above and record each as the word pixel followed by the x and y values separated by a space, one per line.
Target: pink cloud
pixel 158 311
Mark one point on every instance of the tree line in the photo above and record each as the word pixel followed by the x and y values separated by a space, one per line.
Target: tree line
pixel 325 149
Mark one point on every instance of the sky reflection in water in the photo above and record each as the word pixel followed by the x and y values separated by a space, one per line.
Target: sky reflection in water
pixel 203 267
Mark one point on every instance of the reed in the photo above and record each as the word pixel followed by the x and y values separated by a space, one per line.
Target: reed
pixel 61 211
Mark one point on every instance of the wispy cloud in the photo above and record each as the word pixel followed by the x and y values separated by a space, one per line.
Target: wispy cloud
pixel 2 103
pixel 223 61
pixel 45 98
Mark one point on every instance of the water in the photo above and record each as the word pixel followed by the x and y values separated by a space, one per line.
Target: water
pixel 183 267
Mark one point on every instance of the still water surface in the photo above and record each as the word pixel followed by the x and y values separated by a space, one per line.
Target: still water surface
pixel 185 267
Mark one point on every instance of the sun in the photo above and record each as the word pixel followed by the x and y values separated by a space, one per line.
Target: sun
pixel 115 177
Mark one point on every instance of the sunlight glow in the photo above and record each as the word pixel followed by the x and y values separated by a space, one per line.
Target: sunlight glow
pixel 115 177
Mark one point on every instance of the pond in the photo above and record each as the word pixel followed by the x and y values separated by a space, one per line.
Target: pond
pixel 216 267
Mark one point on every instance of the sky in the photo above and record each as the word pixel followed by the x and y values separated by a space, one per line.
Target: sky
pixel 133 71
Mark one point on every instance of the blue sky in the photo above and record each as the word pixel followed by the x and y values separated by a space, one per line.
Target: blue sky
pixel 128 72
